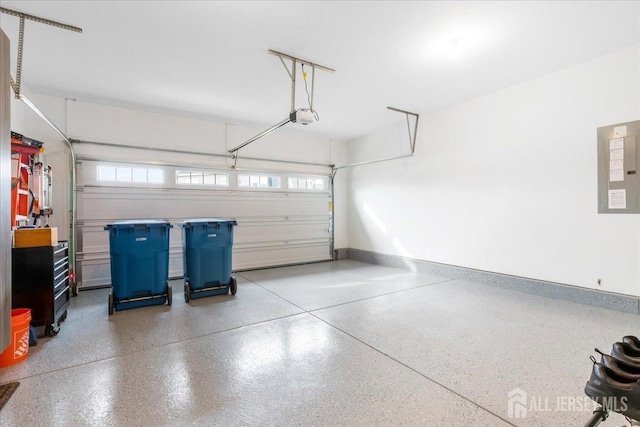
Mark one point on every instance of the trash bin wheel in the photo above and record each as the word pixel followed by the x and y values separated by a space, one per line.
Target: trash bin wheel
pixel 169 294
pixel 110 303
pixel 52 330
pixel 187 292
pixel 234 286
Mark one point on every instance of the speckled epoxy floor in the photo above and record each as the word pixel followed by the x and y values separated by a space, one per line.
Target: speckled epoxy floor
pixel 342 343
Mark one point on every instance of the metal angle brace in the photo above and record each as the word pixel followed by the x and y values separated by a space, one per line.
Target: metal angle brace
pixel 412 139
pixel 412 143
pixel 24 16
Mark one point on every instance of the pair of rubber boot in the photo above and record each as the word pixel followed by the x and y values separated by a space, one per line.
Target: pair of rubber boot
pixel 615 380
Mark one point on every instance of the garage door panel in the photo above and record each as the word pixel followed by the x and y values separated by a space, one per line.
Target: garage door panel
pixel 280 232
pixel 96 240
pixel 97 203
pixel 273 256
pixel 95 273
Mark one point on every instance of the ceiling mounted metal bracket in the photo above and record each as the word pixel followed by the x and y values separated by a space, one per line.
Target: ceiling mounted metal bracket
pixel 292 75
pixel 412 139
pixel 412 143
pixel 16 85
pixel 40 20
pixel 302 61
pixel 285 68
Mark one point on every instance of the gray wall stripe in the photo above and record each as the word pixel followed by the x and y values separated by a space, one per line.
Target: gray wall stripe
pixel 612 301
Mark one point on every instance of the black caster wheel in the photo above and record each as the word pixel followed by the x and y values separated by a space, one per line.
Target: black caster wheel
pixel 234 286
pixel 187 292
pixel 169 294
pixel 110 303
pixel 64 316
pixel 52 330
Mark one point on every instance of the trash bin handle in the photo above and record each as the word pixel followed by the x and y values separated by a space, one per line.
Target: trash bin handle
pixel 141 227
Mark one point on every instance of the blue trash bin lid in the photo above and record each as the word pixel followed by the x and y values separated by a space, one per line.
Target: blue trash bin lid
pixel 140 222
pixel 187 222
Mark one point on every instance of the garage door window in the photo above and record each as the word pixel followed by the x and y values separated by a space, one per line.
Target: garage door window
pixel 202 178
pixel 259 181
pixel 314 184
pixel 128 174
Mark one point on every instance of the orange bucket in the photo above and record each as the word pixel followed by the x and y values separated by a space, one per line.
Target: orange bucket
pixel 18 350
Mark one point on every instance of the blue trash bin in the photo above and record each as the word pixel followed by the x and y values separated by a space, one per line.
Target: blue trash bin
pixel 139 252
pixel 207 245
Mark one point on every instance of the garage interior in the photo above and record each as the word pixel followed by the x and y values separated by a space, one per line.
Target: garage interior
pixel 424 234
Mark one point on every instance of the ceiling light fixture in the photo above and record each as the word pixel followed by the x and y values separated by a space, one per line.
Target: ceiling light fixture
pixel 455 47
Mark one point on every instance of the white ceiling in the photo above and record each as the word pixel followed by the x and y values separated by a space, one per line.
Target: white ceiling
pixel 210 58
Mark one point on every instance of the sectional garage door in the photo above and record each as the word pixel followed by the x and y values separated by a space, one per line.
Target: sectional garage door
pixel 283 217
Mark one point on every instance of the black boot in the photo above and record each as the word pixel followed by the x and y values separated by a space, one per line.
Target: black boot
pixel 629 372
pixel 634 342
pixel 613 392
pixel 625 353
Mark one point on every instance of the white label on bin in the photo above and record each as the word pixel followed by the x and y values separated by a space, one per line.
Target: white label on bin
pixel 212 235
pixel 141 239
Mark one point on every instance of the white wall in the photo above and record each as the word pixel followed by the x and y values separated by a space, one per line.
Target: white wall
pixel 507 182
pixel 101 123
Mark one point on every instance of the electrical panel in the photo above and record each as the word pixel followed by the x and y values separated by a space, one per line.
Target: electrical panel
pixel 618 180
